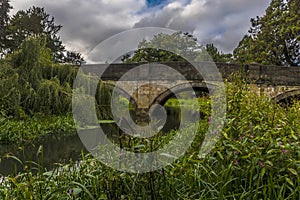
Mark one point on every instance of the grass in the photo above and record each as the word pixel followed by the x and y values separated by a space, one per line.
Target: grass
pixel 257 157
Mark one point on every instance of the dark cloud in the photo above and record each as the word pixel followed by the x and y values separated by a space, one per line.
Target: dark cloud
pixel 86 23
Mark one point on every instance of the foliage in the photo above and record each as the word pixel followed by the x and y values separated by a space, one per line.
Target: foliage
pixel 31 82
pixel 175 47
pixel 30 128
pixel 273 38
pixel 216 55
pixel 29 58
pixel 171 46
pixel 257 157
pixel 33 22
pixel 10 97
pixel 4 21
pixel 52 97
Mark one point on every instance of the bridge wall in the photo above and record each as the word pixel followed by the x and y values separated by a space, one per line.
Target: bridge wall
pixel 277 81
pixel 270 75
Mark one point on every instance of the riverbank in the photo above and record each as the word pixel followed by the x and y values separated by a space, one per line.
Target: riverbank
pixel 257 156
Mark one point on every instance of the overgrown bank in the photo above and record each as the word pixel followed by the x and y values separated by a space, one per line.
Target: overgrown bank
pixel 257 157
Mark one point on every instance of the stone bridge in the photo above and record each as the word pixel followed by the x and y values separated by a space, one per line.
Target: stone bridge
pixel 280 83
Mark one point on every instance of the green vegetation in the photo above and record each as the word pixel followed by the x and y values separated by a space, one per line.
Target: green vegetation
pixel 33 88
pixel 273 38
pixel 257 157
pixel 12 130
pixel 31 82
pixel 173 48
pixel 202 104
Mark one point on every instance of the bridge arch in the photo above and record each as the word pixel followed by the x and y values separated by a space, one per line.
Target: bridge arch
pixel 122 92
pixel 287 96
pixel 197 86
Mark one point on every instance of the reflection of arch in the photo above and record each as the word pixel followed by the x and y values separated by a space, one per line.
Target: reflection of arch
pixel 121 91
pixel 202 87
pixel 287 96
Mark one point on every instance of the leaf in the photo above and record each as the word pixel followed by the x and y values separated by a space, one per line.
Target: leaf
pixel 293 171
pixel 39 151
pixel 225 135
pixel 263 171
pixel 220 155
pixel 84 188
pixel 139 146
pixel 76 191
pixel 269 163
pixel 289 181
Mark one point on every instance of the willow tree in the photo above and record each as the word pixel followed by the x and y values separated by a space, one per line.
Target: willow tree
pixel 10 91
pixel 42 85
pixel 28 60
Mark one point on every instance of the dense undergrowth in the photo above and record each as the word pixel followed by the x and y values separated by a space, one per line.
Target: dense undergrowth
pixel 28 129
pixel 257 157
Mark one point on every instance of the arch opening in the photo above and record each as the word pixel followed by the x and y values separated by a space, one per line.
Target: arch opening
pixel 287 98
pixel 103 100
pixel 173 105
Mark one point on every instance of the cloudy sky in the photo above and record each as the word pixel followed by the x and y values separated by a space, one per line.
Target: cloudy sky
pixel 88 22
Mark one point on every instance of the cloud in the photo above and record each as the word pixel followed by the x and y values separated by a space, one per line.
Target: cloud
pixel 87 23
pixel 222 22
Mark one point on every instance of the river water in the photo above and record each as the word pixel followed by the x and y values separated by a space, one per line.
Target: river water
pixel 50 149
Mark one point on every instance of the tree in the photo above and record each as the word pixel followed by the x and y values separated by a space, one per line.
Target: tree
pixel 73 57
pixel 30 82
pixel 273 38
pixel 4 21
pixel 216 55
pixel 33 22
pixel 177 43
pixel 175 47
pixel 29 59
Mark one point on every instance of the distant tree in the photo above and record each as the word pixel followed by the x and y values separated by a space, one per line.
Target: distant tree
pixel 175 47
pixel 216 55
pixel 273 38
pixel 73 57
pixel 33 22
pixel 4 21
pixel 177 43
